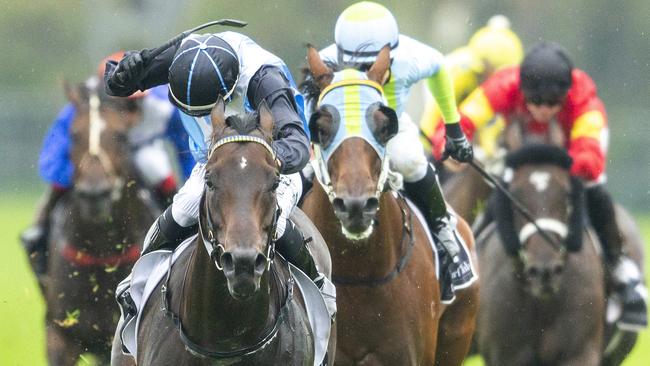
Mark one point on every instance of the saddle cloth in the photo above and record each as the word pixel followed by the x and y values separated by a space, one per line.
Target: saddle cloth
pixel 452 277
pixel 151 268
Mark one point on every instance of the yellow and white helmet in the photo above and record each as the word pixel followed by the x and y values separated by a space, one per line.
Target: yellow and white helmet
pixel 362 30
pixel 496 44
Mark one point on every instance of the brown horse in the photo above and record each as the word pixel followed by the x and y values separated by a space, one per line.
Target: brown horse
pixel 388 296
pixel 228 300
pixel 469 199
pixel 543 296
pixel 95 230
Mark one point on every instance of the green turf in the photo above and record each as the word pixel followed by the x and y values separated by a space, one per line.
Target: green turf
pixel 22 337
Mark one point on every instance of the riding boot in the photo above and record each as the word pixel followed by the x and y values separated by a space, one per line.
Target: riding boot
pixel 166 233
pixel 625 274
pixel 427 196
pixel 293 248
pixel 35 238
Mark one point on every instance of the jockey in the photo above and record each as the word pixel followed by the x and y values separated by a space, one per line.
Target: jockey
pixel 199 71
pixel 361 31
pixel 548 88
pixel 150 159
pixel 491 48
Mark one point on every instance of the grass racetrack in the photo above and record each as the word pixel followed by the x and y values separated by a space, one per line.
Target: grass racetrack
pixel 22 336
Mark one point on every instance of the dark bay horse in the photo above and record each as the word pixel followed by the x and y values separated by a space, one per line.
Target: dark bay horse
pixel 543 293
pixel 228 300
pixel 388 296
pixel 467 192
pixel 95 230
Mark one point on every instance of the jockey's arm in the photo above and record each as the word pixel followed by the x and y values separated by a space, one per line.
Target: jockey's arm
pixel 155 72
pixel 290 139
pixel 588 137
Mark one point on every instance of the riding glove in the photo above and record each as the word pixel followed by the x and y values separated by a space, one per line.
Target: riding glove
pixel 457 145
pixel 129 71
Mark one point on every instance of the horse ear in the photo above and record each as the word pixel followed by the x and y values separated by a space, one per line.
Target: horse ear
pixel 72 93
pixel 512 137
pixel 556 135
pixel 379 70
pixel 218 115
pixel 266 118
pixel 321 73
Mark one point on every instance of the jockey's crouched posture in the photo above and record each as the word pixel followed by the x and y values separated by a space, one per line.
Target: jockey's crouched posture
pixel 157 119
pixel 546 88
pixel 361 31
pixel 199 71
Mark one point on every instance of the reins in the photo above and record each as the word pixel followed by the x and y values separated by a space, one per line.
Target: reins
pixel 519 207
pixel 406 240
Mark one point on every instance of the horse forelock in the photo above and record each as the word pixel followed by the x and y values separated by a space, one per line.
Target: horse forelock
pixel 539 154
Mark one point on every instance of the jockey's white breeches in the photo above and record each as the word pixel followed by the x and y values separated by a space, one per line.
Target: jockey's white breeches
pixel 406 151
pixel 185 208
pixel 153 163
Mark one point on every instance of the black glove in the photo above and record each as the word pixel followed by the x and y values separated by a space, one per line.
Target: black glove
pixel 129 71
pixel 457 145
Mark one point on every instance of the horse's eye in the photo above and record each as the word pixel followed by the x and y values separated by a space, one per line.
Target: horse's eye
pixel 276 183
pixel 209 184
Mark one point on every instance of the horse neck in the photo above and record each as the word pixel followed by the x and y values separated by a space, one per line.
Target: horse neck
pixel 125 227
pixel 373 257
pixel 212 317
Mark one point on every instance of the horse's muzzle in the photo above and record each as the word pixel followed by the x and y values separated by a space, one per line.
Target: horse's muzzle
pixel 356 213
pixel 243 269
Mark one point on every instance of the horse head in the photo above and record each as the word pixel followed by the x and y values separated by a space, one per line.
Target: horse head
pixel 350 129
pixel 100 148
pixel 238 209
pixel 538 176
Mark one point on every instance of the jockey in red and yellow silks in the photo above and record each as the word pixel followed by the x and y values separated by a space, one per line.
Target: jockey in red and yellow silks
pixel 582 117
pixel 545 88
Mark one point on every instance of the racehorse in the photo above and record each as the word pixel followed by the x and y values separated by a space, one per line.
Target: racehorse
pixel 543 297
pixel 388 296
pixel 95 230
pixel 228 299
pixel 470 198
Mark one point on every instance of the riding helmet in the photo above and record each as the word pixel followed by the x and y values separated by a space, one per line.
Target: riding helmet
pixel 362 30
pixel 496 45
pixel 204 68
pixel 545 74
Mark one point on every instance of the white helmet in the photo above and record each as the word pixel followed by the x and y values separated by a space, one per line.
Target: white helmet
pixel 362 30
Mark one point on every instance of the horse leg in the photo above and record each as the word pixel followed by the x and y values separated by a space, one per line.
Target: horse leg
pixel 458 321
pixel 61 350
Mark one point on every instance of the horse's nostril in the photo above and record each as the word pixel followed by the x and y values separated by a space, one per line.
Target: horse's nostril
pixel 227 262
pixel 372 204
pixel 557 269
pixel 339 205
pixel 260 263
pixel 533 271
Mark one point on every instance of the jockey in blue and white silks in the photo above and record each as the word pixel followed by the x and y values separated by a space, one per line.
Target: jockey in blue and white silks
pixel 199 71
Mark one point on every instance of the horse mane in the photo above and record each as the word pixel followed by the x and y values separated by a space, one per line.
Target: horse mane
pixel 539 154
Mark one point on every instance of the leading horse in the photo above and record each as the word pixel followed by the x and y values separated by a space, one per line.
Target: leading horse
pixel 228 299
pixel 95 230
pixel 388 295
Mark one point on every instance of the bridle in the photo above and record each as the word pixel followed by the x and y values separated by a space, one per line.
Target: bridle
pixel 215 249
pixel 387 178
pixel 210 241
